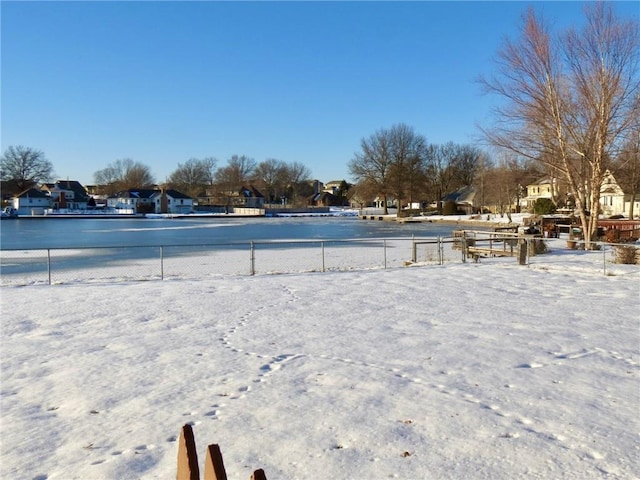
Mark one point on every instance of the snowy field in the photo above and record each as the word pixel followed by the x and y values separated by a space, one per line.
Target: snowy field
pixel 463 371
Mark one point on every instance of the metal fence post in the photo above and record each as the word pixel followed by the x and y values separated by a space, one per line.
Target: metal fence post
pixel 604 258
pixel 414 249
pixel 161 262
pixel 49 264
pixel 385 253
pixel 322 244
pixel 252 266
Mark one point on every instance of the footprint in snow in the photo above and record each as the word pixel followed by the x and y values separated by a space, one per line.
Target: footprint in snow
pixel 530 365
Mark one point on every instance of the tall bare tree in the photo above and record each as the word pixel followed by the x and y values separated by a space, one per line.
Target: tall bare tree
pixel 124 174
pixel 25 167
pixel 439 173
pixel 230 178
pixel 391 163
pixel 408 155
pixel 194 176
pixel 465 163
pixel 372 166
pixel 505 183
pixel 297 179
pixel 271 177
pixel 570 99
pixel 450 166
pixel 239 170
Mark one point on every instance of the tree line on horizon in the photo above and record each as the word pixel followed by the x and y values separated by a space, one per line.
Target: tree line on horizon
pixel 197 177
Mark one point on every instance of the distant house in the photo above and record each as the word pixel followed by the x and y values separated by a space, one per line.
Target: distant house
pixel 96 192
pixel 146 200
pixel 171 201
pixel 31 202
pixel 379 202
pixel 67 194
pixel 463 198
pixel 250 197
pixel 333 186
pixel 325 199
pixel 543 188
pixel 614 200
pixel 553 189
pixel 134 200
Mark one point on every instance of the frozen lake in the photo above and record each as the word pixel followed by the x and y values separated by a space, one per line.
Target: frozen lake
pixel 79 233
pixel 79 250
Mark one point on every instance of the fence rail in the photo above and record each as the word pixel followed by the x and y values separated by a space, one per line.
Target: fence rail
pixel 134 263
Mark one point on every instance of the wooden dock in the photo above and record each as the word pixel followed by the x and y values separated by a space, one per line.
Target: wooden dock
pixel 485 244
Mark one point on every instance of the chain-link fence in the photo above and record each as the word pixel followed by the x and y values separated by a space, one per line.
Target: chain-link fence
pixel 136 263
pixel 55 266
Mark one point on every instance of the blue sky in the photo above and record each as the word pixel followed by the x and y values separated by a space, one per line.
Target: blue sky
pixel 161 82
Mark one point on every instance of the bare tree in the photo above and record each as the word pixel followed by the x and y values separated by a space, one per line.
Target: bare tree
pixel 438 173
pixel 194 176
pixel 408 154
pixel 465 163
pixel 570 100
pixel 449 167
pixel 372 165
pixel 498 190
pixel 297 179
pixel 239 170
pixel 391 163
pixel 25 167
pixel 124 174
pixel 271 177
pixel 505 183
pixel 230 178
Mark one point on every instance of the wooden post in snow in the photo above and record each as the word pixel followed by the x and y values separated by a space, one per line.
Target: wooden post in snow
pixel 187 456
pixel 258 475
pixel 213 465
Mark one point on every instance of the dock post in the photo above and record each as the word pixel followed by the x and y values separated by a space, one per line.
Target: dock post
pixel 522 251
pixel 414 248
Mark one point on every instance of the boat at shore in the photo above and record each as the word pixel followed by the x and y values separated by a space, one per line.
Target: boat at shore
pixel 8 213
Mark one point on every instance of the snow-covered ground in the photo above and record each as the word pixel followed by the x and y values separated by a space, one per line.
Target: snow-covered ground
pixel 463 371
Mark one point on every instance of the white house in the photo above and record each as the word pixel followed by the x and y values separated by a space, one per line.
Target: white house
pixel 67 194
pixel 613 200
pixel 31 202
pixel 134 200
pixel 171 201
pixel 141 200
